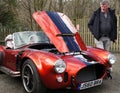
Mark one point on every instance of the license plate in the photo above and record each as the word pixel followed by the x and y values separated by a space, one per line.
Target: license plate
pixel 90 84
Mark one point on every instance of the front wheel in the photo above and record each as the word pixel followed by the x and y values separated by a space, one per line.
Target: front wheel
pixel 31 78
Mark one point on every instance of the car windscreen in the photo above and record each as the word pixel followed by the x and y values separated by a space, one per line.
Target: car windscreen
pixel 29 37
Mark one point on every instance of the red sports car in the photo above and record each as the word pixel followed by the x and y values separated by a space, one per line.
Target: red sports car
pixel 54 59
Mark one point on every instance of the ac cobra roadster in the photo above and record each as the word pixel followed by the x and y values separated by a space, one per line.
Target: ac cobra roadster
pixel 55 58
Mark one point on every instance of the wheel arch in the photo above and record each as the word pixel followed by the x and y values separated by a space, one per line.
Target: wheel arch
pixel 38 65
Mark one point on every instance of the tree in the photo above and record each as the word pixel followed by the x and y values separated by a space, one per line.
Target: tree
pixel 7 13
pixel 16 13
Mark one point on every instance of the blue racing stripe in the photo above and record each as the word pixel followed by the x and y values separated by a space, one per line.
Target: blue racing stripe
pixel 85 62
pixel 70 41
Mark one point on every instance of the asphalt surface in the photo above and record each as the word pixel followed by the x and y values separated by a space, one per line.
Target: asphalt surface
pixel 14 85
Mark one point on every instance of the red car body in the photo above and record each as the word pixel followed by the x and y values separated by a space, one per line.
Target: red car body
pixel 63 62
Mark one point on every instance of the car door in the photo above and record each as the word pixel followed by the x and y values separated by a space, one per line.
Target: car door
pixel 9 59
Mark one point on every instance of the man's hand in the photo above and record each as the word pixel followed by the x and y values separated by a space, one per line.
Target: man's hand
pixel 114 41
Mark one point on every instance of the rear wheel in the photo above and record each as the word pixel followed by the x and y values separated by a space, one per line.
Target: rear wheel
pixel 1 57
pixel 31 79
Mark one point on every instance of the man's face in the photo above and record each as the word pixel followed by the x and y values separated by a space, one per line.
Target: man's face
pixel 104 7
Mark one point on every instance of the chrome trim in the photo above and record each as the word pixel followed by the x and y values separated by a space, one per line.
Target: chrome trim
pixel 9 71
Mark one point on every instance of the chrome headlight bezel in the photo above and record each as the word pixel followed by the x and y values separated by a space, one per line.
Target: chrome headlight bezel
pixel 59 66
pixel 111 59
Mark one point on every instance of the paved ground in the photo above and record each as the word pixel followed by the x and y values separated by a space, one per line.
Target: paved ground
pixel 14 85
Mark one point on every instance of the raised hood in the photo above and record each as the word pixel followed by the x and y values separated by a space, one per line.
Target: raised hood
pixel 60 31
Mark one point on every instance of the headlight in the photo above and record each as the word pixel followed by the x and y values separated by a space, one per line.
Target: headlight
pixel 111 59
pixel 59 66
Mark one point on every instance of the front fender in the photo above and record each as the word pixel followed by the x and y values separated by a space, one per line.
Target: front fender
pixel 40 58
pixel 99 54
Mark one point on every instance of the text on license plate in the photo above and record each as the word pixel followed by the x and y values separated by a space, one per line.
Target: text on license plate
pixel 89 84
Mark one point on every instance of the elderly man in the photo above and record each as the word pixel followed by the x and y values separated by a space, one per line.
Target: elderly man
pixel 9 41
pixel 103 25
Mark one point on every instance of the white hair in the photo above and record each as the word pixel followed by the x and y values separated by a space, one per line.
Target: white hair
pixel 105 2
pixel 9 37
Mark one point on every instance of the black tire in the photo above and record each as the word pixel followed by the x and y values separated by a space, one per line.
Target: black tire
pixel 1 57
pixel 31 78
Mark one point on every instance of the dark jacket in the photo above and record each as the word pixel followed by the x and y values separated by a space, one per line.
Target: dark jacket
pixel 94 24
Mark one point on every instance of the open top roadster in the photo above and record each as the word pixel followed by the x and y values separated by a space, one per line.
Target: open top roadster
pixel 56 58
